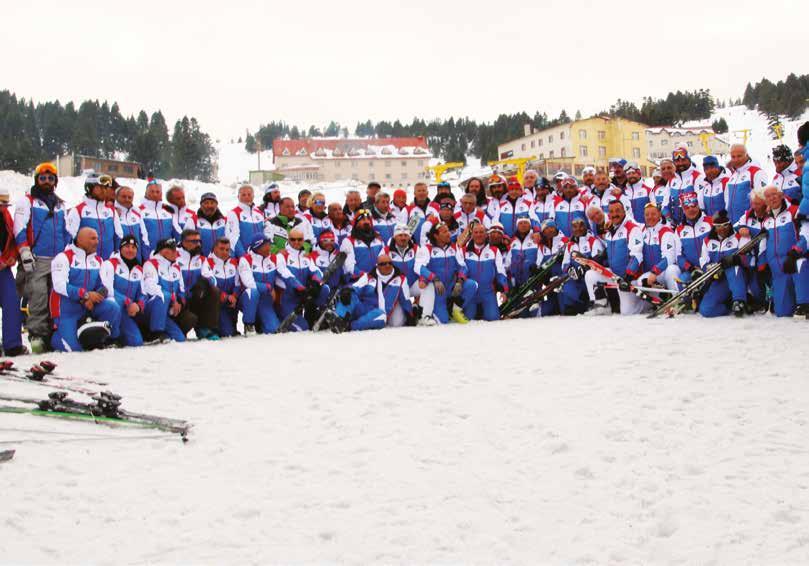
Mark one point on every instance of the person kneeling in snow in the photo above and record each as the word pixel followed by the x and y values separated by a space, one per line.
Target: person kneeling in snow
pixel 729 284
pixel 378 298
pixel 257 271
pixel 122 276
pixel 78 293
pixel 222 270
pixel 165 293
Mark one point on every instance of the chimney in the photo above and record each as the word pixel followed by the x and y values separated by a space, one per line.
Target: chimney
pixel 527 129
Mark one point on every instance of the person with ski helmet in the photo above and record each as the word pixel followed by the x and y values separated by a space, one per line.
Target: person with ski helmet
pixel 40 234
pixel 786 173
pixel 79 294
pixel 96 213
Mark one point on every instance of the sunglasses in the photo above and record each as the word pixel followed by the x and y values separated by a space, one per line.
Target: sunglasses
pixel 194 241
pixel 320 202
pixel 46 178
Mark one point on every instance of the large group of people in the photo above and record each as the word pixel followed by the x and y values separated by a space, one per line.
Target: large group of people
pixel 157 271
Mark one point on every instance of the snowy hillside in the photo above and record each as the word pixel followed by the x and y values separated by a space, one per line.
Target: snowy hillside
pixel 358 449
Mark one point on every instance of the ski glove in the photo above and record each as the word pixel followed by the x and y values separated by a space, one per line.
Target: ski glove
pixel 623 285
pixel 345 296
pixel 790 264
pixel 575 271
pixel 27 259
pixel 729 261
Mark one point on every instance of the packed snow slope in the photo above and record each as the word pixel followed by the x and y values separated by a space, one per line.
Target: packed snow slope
pixel 559 441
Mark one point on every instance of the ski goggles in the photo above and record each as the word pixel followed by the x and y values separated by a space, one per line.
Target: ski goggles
pixel 689 199
pixel 151 182
pixel 106 181
pixel 320 202
pixel 46 178
pixel 680 153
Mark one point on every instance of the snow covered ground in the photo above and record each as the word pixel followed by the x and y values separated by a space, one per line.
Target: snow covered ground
pixel 561 441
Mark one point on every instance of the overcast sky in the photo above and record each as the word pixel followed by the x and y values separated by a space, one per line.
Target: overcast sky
pixel 236 64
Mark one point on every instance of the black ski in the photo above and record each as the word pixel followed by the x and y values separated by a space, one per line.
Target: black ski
pixel 517 295
pixel 332 268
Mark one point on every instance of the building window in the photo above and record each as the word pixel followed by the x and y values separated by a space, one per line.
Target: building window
pixel 688 143
pixel 404 163
pixel 533 144
pixel 651 143
pixel 561 135
pixel 128 168
pixel 404 175
pixel 112 168
pixel 563 152
pixel 635 136
pixel 582 151
pixel 540 141
pixel 372 176
pixel 664 142
pixel 353 164
pixel 387 175
pixel 602 151
pixel 371 163
pixel 636 152
pixel 523 147
pixel 421 163
pixel 387 163
pixel 542 155
pixel 602 135
pixel 582 134
pixel 550 155
pixel 550 139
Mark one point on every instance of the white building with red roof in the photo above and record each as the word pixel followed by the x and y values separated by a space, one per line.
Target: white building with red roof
pixel 392 162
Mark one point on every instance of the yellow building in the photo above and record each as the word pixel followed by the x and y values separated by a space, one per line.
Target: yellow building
pixel 589 142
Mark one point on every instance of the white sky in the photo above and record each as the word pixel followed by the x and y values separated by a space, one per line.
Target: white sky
pixel 239 63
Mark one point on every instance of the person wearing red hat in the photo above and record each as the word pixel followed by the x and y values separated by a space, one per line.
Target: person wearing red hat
pixel 399 201
pixel 514 204
pixel 324 253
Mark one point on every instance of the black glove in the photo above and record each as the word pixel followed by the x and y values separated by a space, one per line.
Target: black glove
pixel 312 291
pixel 729 261
pixel 300 294
pixel 499 287
pixel 345 296
pixel 575 271
pixel 534 269
pixel 696 272
pixel 790 264
pixel 411 319
pixel 623 285
pixel 418 310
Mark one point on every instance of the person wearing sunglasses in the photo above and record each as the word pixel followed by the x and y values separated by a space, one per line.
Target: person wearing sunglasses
pixel 362 247
pixel 9 300
pixel 96 213
pixel 40 234
pixel 691 234
pixel 325 252
pixel 80 294
pixel 378 299
pixel 302 281
pixel 233 298
pixel 686 178
pixel 318 216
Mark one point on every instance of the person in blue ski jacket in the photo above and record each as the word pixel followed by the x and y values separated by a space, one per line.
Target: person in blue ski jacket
pixel 96 213
pixel 573 298
pixel 9 300
pixel 157 219
pixel 244 221
pixel 712 186
pixel 223 269
pixel 785 252
pixel 301 280
pixel 40 234
pixel 728 292
pixel 746 176
pixel 749 226
pixel 568 206
pixel 378 299
pixel 164 292
pixel 257 272
pixel 446 270
pixel 122 275
pixel 513 205
pixel 638 192
pixel 803 142
pixel 210 222
pixel 131 220
pixel 484 265
pixel 78 293
pixel 659 251
pixel 362 246
pixel 691 234
pixel 786 173
pixel 686 178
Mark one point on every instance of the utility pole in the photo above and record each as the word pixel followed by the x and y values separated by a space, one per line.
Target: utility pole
pixel 258 151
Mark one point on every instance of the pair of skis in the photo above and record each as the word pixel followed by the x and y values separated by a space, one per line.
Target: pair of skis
pixel 620 282
pixel 331 269
pixel 106 409
pixel 536 297
pixel 678 302
pixel 518 296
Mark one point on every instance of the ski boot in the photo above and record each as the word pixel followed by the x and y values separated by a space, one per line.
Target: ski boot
pixel 802 310
pixel 458 314
pixel 739 309
pixel 38 344
pixel 249 330
pixel 336 323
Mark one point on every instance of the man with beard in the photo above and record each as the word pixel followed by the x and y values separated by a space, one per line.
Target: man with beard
pixel 636 190
pixel 362 247
pixel 40 234
pixel 618 172
pixel 210 222
pixel 200 292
